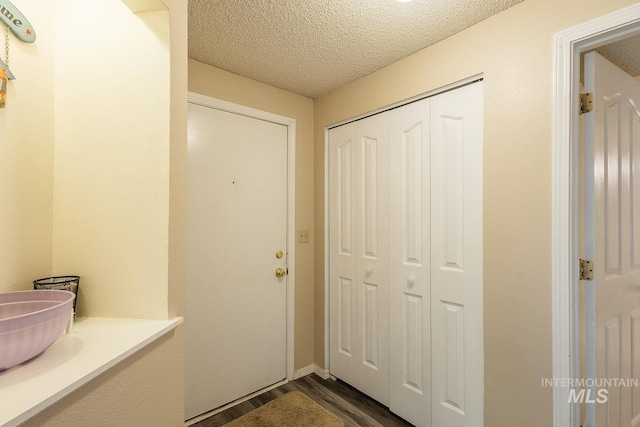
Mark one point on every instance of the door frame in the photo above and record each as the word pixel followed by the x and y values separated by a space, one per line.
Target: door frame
pixel 567 47
pixel 230 107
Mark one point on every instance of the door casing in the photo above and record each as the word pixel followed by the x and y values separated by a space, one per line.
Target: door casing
pixel 290 123
pixel 567 47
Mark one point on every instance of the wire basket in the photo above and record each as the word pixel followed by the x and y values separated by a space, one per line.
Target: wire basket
pixel 62 283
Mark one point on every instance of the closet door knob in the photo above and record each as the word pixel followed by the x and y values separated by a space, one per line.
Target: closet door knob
pixel 411 280
pixel 368 272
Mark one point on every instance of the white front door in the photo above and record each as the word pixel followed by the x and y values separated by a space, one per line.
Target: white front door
pixel 236 306
pixel 612 242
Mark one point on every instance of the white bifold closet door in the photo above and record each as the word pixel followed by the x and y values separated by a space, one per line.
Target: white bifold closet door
pixel 405 268
pixel 457 353
pixel 359 252
pixel 410 263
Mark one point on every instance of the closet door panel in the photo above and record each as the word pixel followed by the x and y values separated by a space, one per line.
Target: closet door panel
pixel 409 227
pixel 359 260
pixel 456 257
pixel 405 248
pixel 373 257
pixel 343 281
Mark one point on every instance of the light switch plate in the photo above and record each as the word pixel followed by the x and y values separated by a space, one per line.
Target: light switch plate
pixel 303 236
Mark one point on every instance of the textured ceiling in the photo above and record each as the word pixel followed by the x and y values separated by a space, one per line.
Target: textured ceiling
pixel 311 47
pixel 625 54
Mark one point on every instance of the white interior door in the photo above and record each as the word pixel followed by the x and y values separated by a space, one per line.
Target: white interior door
pixel 410 262
pixel 437 362
pixel 236 306
pixel 359 248
pixel 612 241
pixel 406 304
pixel 342 253
pixel 457 357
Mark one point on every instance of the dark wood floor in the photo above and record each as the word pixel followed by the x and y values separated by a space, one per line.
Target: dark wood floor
pixel 353 407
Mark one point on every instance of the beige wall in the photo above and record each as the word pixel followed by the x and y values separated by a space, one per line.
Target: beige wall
pixel 514 51
pixel 148 388
pixel 26 154
pixel 111 159
pixel 178 160
pixel 140 391
pixel 211 81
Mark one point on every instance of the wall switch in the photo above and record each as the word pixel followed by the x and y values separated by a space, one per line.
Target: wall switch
pixel 303 236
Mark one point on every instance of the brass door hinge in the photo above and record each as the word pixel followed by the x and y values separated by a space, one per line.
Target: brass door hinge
pixel 586 103
pixel 586 269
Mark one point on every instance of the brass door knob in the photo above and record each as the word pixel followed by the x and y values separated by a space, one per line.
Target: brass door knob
pixel 280 273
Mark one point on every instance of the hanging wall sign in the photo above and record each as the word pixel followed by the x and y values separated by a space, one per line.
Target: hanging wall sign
pixel 3 87
pixel 16 22
pixel 6 69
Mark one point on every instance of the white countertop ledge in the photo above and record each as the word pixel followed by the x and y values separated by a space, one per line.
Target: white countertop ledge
pixel 96 345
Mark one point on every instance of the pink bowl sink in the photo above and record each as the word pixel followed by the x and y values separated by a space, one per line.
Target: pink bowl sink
pixel 30 321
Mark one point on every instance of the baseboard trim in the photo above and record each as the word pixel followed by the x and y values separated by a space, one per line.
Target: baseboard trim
pixel 311 369
pixel 303 372
pixel 321 372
